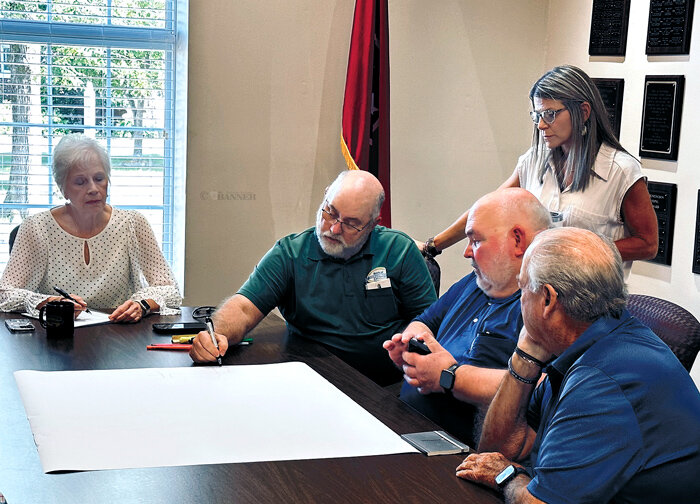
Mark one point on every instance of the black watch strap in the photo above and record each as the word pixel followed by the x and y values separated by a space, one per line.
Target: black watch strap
pixel 430 248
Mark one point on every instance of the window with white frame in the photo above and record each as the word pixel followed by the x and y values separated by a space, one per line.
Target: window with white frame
pixel 105 68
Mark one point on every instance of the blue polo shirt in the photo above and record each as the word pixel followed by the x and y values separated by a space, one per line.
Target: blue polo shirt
pixel 477 330
pixel 325 299
pixel 617 420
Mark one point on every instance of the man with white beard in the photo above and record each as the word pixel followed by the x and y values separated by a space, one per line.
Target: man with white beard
pixel 347 284
pixel 473 328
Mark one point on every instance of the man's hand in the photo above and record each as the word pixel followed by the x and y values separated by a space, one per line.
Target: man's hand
pixel 529 345
pixel 423 371
pixel 398 344
pixel 203 350
pixel 483 468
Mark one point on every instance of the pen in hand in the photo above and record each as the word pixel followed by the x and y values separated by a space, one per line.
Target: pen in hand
pixel 210 328
pixel 68 296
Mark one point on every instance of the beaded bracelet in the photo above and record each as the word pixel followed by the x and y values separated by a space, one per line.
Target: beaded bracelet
pixel 529 358
pixel 522 379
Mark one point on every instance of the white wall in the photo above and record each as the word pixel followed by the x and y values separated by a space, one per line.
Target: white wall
pixel 266 82
pixel 266 86
pixel 568 29
pixel 460 74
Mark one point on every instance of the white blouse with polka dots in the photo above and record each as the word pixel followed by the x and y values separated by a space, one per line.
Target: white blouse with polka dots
pixel 125 263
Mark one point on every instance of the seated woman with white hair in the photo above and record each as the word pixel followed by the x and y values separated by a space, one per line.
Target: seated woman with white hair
pixel 104 257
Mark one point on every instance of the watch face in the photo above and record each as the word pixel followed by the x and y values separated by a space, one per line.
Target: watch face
pixel 447 379
pixel 505 475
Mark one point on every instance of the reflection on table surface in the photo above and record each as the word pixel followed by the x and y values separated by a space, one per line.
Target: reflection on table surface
pixel 387 478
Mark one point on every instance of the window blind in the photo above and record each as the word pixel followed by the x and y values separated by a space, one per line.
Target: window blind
pixel 104 68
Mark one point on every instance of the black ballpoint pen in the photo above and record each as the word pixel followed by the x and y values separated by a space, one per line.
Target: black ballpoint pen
pixel 68 296
pixel 210 328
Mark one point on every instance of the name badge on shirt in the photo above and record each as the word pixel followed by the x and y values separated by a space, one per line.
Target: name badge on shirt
pixel 377 279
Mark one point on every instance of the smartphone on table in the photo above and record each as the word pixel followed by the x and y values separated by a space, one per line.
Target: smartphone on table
pixel 179 327
pixel 19 325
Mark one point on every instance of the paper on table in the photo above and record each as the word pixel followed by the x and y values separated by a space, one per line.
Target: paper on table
pixel 93 318
pixel 129 418
pixel 85 319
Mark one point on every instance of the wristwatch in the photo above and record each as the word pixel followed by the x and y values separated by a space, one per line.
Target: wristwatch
pixel 430 248
pixel 508 474
pixel 447 377
pixel 145 308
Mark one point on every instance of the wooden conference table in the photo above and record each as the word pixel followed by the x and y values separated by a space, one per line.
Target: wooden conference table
pixel 406 478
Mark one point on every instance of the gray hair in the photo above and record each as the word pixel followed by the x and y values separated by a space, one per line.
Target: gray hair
pixel 338 182
pixel 376 209
pixel 74 150
pixel 572 86
pixel 583 268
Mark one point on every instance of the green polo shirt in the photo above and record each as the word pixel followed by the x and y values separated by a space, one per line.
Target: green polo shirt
pixel 325 299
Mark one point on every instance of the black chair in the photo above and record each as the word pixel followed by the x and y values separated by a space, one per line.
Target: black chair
pixel 13 235
pixel 434 270
pixel 676 326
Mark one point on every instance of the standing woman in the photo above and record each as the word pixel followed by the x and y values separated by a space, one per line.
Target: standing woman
pixel 105 257
pixel 577 168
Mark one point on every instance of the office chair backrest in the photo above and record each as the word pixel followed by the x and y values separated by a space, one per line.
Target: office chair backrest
pixel 434 270
pixel 13 235
pixel 677 327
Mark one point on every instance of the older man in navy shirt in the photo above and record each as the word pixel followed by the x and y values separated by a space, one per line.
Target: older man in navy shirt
pixel 472 329
pixel 617 419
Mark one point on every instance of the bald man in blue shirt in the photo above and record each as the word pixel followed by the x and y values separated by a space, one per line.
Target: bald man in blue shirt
pixel 472 329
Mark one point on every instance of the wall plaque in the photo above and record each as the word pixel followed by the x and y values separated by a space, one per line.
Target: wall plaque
pixel 611 91
pixel 663 199
pixel 661 116
pixel 670 22
pixel 696 251
pixel 609 21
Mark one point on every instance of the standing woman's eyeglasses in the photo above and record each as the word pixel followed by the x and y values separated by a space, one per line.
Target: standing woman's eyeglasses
pixel 548 116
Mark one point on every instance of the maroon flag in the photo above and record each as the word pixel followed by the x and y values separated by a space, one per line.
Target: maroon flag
pixel 364 138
